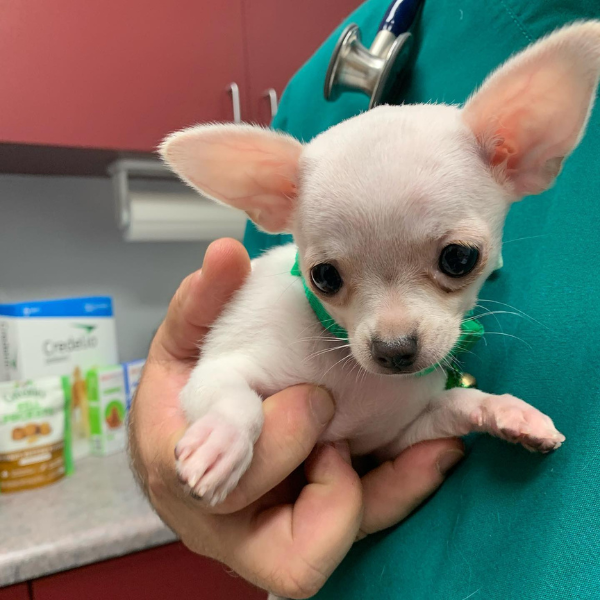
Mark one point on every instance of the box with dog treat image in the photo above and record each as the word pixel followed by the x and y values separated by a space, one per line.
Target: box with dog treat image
pixel 35 440
pixel 107 399
pixel 64 337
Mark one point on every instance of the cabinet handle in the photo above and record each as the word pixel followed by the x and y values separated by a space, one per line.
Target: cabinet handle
pixel 272 95
pixel 234 90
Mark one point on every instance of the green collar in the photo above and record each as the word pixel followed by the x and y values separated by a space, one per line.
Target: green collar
pixel 471 331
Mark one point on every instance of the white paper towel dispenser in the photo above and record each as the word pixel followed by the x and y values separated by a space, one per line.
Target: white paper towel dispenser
pixel 154 206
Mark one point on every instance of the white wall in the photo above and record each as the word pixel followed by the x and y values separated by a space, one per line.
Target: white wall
pixel 58 238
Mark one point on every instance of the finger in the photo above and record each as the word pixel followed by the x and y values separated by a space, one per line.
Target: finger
pixel 294 420
pixel 156 423
pixel 156 420
pixel 199 301
pixel 300 545
pixel 395 488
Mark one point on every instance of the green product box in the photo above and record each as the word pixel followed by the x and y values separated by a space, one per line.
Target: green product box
pixel 107 399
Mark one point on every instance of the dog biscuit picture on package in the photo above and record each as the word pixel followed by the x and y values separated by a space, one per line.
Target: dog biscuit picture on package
pixel 34 433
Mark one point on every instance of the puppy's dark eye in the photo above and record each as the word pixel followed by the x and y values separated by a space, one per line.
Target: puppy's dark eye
pixel 326 278
pixel 457 260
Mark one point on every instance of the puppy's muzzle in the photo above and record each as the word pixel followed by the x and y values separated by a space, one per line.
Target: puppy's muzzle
pixel 396 355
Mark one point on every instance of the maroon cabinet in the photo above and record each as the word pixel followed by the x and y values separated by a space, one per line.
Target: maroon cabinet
pixel 113 73
pixel 282 35
pixel 120 75
pixel 164 573
pixel 15 592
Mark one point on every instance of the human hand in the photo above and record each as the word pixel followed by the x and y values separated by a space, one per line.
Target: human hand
pixel 298 509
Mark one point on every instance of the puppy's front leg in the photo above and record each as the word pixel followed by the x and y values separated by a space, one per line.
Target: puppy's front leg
pixel 460 411
pixel 226 418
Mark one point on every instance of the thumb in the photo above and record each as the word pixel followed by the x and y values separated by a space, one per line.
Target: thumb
pixel 199 301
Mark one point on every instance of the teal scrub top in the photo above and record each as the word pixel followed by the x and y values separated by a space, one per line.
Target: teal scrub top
pixel 507 525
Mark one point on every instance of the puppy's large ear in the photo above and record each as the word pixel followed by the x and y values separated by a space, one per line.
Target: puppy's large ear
pixel 531 113
pixel 246 167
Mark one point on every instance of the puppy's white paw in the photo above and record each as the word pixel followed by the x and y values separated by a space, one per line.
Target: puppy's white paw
pixel 516 421
pixel 212 455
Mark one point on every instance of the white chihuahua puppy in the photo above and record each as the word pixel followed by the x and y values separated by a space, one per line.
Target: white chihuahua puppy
pixel 397 215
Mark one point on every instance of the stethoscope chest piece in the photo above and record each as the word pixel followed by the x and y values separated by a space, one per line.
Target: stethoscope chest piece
pixel 375 70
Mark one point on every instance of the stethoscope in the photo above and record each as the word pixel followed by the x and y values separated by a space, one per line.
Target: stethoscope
pixel 373 70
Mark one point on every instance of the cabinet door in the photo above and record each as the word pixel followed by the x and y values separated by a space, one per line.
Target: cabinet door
pixel 162 573
pixel 116 74
pixel 282 35
pixel 15 592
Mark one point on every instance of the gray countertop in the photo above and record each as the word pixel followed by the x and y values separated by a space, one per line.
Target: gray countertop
pixel 97 513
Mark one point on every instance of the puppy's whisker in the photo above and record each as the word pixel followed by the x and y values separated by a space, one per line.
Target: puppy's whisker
pixel 492 313
pixel 464 350
pixel 515 308
pixel 321 339
pixel 509 335
pixel 269 275
pixel 322 352
pixel 347 362
pixel 496 319
pixel 294 281
pixel 449 362
pixel 330 348
pixel 333 366
pixel 364 373
pixel 324 342
pixel 529 237
pixel 325 351
pixel 311 326
pixel 356 367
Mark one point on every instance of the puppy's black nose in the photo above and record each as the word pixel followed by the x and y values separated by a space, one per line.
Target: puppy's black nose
pixel 396 355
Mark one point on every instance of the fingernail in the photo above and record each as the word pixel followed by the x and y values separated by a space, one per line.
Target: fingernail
pixel 321 405
pixel 447 460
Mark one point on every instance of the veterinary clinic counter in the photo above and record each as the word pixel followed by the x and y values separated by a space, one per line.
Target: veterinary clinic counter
pixel 90 518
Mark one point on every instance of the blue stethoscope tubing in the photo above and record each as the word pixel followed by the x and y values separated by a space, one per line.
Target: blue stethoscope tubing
pixel 400 16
